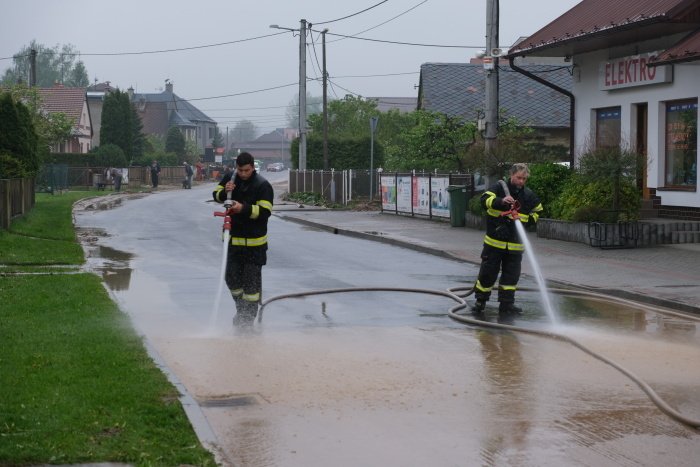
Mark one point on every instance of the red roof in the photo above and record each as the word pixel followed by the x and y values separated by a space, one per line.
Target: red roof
pixel 597 24
pixel 65 100
pixel 687 50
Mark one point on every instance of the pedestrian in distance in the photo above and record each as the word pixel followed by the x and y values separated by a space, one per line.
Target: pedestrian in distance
pixel 250 207
pixel 116 178
pixel 189 172
pixel 155 173
pixel 506 203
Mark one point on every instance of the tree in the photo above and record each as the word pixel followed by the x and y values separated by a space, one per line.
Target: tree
pixel 314 105
pixel 244 131
pixel 436 141
pixel 18 139
pixel 53 65
pixel 121 125
pixel 175 143
pixel 218 140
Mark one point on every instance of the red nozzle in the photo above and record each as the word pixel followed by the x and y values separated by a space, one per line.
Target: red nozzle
pixel 514 212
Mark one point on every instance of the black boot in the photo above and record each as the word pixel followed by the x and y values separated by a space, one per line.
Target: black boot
pixel 478 307
pixel 509 308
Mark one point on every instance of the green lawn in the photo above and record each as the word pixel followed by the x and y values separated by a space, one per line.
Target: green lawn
pixel 76 383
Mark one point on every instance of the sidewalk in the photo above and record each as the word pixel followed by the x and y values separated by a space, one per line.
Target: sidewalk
pixel 664 275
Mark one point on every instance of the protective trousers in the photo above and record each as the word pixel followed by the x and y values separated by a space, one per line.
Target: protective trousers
pixel 244 280
pixel 494 260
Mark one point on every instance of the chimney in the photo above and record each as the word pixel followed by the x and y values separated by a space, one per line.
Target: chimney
pixel 130 91
pixel 168 86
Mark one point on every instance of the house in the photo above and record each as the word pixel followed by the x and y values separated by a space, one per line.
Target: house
pixel 458 90
pixel 95 97
pixel 274 146
pixel 160 111
pixel 635 84
pixel 73 103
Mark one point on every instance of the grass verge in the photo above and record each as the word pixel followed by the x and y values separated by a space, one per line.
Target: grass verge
pixel 76 383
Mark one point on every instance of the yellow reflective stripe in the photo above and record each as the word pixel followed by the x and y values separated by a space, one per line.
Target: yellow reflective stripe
pixel 263 203
pixel 242 241
pixel 236 292
pixel 506 287
pixel 489 200
pixel 254 212
pixel 503 245
pixel 524 217
pixel 251 297
pixel 495 243
pixel 481 288
pixel 494 212
pixel 218 190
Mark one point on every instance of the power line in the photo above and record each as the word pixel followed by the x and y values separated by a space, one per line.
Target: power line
pixel 382 24
pixel 406 43
pixel 354 14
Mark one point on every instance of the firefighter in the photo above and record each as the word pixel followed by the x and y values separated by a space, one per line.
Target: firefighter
pixel 249 208
pixel 503 249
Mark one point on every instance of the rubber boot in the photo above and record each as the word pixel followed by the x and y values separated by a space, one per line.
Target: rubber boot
pixel 509 308
pixel 478 307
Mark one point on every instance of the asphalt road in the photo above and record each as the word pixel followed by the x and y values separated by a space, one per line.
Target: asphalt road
pixel 378 378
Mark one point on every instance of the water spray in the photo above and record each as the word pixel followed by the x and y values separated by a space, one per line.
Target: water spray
pixel 226 214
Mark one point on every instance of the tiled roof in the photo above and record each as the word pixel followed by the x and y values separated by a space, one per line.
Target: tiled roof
pixel 402 104
pixel 458 89
pixel 186 111
pixel 65 100
pixel 596 24
pixel 687 50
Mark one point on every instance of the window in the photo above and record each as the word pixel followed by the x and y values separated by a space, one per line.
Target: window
pixel 211 133
pixel 681 143
pixel 607 128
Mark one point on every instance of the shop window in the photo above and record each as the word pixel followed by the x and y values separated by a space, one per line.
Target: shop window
pixel 607 128
pixel 681 143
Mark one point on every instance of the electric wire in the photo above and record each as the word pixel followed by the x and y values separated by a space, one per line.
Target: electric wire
pixel 453 293
pixel 354 14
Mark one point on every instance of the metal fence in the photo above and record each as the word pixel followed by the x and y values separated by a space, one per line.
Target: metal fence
pixel 335 186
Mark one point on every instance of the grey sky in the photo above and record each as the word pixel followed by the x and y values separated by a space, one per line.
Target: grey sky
pixel 366 68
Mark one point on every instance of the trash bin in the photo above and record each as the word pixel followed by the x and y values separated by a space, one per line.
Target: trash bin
pixel 458 204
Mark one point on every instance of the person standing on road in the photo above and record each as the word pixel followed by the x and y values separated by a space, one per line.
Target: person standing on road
pixel 188 175
pixel 503 248
pixel 155 173
pixel 116 178
pixel 250 208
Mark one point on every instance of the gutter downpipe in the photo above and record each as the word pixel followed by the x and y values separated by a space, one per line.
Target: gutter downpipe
pixel 572 107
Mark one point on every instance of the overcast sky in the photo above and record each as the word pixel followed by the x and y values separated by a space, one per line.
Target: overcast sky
pixel 234 51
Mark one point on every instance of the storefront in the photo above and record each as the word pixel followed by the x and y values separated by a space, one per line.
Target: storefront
pixel 635 86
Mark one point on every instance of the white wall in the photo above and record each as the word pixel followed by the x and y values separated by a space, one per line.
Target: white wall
pixel 685 85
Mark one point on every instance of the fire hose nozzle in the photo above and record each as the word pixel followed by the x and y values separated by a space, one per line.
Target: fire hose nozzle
pixel 514 212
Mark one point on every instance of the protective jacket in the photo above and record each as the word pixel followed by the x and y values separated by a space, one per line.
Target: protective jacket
pixel 501 232
pixel 249 227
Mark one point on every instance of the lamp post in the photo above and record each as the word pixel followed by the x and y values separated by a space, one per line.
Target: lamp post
pixel 302 89
pixel 372 127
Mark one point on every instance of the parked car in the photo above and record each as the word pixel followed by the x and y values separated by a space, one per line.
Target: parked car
pixel 275 167
pixel 257 166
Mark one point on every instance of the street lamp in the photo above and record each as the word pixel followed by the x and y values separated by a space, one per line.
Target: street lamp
pixel 302 89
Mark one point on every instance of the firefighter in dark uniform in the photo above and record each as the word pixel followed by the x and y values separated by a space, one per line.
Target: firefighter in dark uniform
pixel 250 208
pixel 503 249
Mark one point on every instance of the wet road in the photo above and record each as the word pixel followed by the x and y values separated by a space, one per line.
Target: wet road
pixel 377 378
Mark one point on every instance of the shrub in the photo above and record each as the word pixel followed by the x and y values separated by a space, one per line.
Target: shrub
pixel 548 180
pixel 588 201
pixel 475 206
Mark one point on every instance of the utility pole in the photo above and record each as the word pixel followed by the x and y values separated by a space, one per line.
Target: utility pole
pixel 372 128
pixel 302 95
pixel 32 68
pixel 325 104
pixel 491 98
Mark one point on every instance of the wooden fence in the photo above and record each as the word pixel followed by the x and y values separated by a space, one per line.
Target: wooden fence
pixel 16 199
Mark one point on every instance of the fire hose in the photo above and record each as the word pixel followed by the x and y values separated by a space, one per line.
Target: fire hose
pixel 453 294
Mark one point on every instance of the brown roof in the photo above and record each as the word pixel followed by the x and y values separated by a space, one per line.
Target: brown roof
pixel 65 100
pixel 687 50
pixel 597 24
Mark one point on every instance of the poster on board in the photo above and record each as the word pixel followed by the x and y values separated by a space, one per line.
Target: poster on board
pixel 388 192
pixel 403 193
pixel 439 199
pixel 421 195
